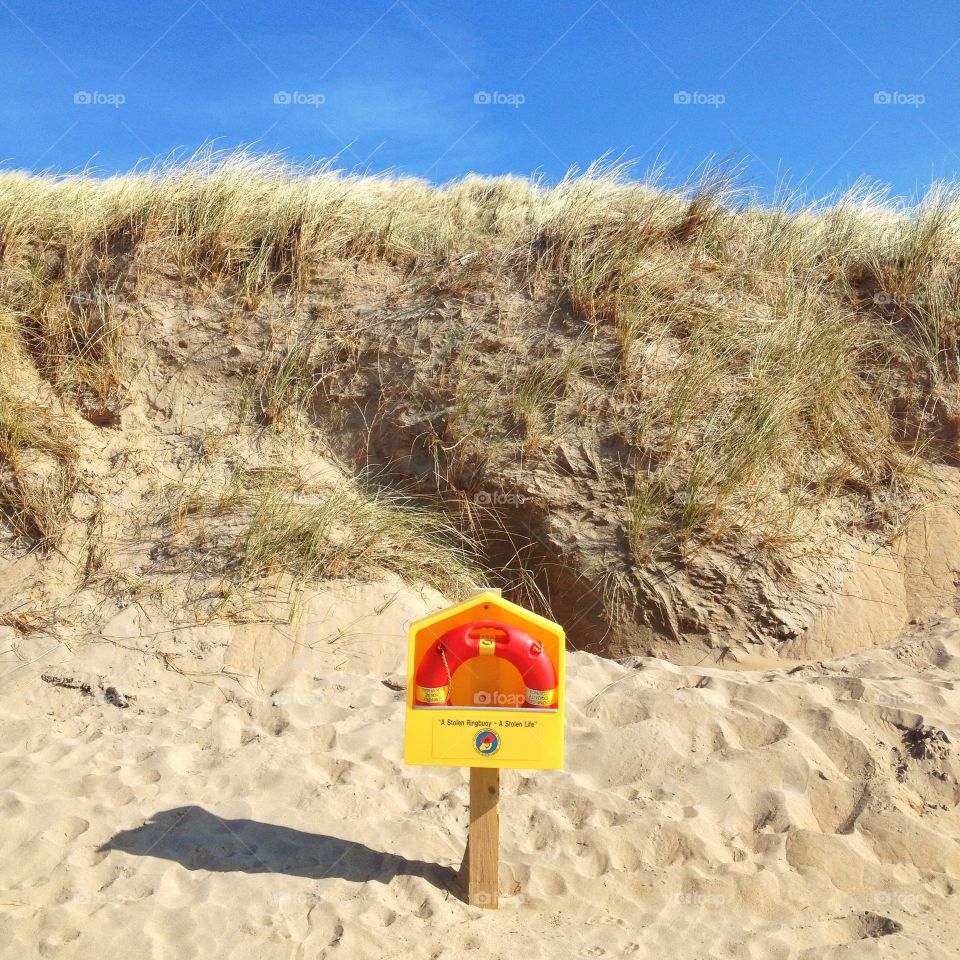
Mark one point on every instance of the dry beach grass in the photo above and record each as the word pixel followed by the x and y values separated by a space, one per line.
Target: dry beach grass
pixel 754 378
pixel 786 333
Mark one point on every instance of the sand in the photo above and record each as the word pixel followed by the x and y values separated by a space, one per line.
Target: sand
pixel 261 808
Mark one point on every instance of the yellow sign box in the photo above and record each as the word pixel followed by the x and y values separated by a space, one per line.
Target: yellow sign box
pixel 485 687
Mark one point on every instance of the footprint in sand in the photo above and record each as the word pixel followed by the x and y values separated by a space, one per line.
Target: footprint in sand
pixel 66 830
pixel 141 778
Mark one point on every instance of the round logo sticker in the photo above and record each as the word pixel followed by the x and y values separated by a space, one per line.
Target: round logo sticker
pixel 487 743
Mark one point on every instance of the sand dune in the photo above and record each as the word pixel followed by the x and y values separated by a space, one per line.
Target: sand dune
pixel 683 425
pixel 805 811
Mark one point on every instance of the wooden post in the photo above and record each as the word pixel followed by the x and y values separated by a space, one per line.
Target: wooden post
pixel 483 840
pixel 483 843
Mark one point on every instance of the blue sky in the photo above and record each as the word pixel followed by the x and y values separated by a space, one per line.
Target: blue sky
pixel 805 93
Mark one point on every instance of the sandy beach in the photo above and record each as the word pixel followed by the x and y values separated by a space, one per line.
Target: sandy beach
pixel 805 811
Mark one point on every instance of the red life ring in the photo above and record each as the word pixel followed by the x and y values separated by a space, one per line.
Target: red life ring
pixel 480 638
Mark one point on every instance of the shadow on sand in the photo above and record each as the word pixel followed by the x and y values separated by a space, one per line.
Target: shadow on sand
pixel 199 840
